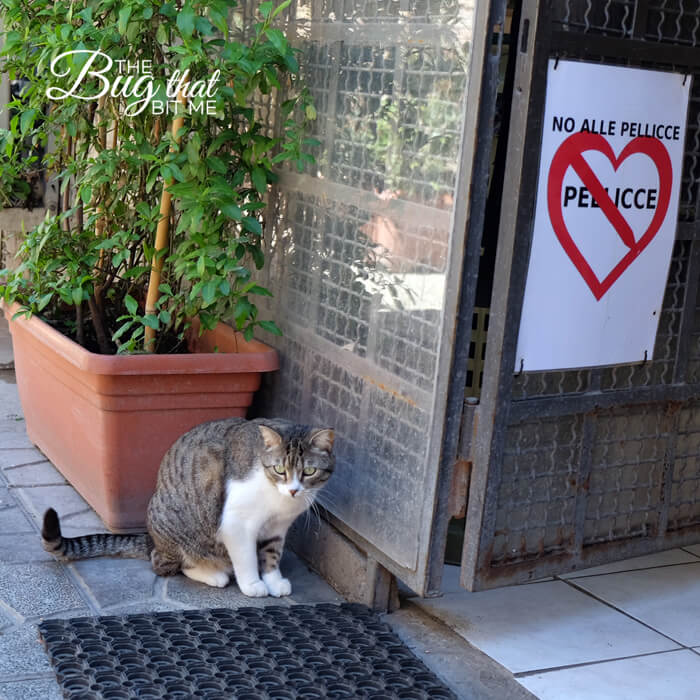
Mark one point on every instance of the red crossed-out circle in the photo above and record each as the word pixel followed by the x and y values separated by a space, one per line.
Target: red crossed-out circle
pixel 570 154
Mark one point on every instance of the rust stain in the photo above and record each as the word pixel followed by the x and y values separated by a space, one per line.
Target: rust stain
pixel 389 390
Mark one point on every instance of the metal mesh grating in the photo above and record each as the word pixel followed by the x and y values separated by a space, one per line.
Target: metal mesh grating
pixel 676 21
pixel 660 367
pixel 594 464
pixel 537 493
pixel 690 180
pixel 627 463
pixel 684 508
pixel 694 358
pixel 360 249
pixel 610 17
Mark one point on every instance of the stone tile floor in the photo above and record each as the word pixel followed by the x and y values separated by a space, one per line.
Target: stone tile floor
pixel 33 586
pixel 623 631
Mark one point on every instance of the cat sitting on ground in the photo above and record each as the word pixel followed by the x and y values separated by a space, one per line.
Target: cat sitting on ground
pixel 227 492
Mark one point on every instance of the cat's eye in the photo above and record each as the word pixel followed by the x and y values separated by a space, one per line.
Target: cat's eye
pixel 280 469
pixel 309 471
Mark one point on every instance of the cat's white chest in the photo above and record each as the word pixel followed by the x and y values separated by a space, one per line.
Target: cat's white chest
pixel 257 506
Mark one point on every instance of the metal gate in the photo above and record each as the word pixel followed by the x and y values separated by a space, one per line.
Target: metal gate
pixel 576 468
pixel 366 257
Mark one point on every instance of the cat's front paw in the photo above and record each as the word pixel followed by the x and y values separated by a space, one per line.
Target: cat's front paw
pixel 255 589
pixel 278 586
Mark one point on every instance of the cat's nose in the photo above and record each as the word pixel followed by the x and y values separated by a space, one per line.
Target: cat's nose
pixel 292 492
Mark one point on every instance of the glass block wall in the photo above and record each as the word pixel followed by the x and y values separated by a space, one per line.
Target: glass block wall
pixel 360 251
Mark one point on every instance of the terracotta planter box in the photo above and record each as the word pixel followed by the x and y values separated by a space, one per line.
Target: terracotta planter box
pixel 106 421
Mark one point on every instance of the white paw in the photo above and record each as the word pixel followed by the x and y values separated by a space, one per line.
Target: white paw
pixel 278 586
pixel 256 589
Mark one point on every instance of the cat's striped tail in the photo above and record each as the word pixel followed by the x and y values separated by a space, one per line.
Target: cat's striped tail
pixel 87 546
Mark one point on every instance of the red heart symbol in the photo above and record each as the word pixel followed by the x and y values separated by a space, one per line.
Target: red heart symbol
pixel 570 154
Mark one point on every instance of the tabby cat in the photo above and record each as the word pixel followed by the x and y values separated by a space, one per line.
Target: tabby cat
pixel 227 492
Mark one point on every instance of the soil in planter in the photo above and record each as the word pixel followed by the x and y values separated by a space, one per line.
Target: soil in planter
pixel 167 343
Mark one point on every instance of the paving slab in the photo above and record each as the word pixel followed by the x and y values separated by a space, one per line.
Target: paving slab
pixel 193 594
pixel 17 457
pixel 10 407
pixel 64 498
pixel 116 581
pixel 667 599
pixel 14 520
pixel 22 548
pixel 145 606
pixel 37 589
pixel 529 628
pixel 670 676
pixel 36 689
pixel 21 652
pixel 8 618
pixel 468 671
pixel 37 474
pixel 6 498
pixel 15 440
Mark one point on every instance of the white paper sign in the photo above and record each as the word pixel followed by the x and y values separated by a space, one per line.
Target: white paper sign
pixel 605 217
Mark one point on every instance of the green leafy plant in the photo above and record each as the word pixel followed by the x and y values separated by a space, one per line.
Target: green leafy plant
pixel 15 173
pixel 87 268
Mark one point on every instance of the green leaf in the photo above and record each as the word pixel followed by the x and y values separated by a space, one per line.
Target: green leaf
pixel 232 211
pixel 77 296
pixel 164 316
pixel 259 180
pixel 209 292
pixel 252 225
pixel 124 15
pixel 162 33
pixel 168 10
pixel 266 8
pixel 175 170
pixel 217 165
pixel 260 291
pixel 201 266
pixel 281 7
pixel 165 289
pixel 185 20
pixel 86 194
pixel 242 312
pixel 192 151
pixel 131 304
pixel 277 39
pixel 122 329
pixel 270 327
pixel 42 303
pixel 151 320
pixel 27 120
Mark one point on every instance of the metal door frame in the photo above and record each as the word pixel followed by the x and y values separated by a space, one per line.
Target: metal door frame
pixel 497 408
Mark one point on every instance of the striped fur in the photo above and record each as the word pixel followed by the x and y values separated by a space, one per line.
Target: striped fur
pixel 227 492
pixel 87 546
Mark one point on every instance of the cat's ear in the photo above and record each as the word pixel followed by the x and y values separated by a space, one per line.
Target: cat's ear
pixel 271 439
pixel 322 439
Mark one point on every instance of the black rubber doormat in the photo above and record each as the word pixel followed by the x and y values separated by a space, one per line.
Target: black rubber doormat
pixel 271 653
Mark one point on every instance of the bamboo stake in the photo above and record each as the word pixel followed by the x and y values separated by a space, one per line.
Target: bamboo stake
pixel 162 239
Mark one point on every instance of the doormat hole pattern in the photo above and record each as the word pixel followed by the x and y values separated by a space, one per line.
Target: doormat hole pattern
pixel 271 653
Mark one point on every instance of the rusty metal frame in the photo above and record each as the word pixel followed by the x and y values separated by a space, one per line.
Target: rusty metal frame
pixel 498 408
